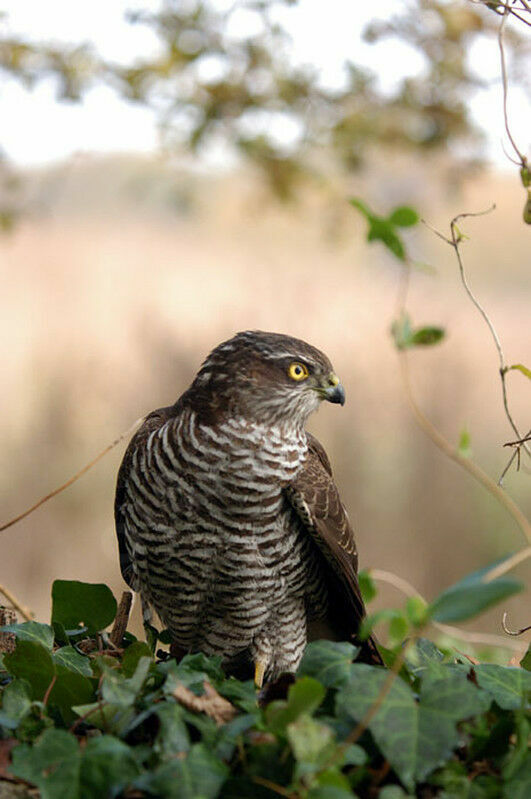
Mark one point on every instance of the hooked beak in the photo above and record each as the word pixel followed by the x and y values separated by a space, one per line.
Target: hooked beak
pixel 333 391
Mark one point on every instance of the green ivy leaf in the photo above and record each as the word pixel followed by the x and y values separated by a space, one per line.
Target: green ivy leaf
pixel 32 631
pixel 90 604
pixel 73 660
pixel 471 596
pixel 508 686
pixel 198 776
pixel 32 662
pixel 304 696
pixel 52 764
pixel 413 736
pixel 404 216
pixel 70 687
pixel 107 768
pixel 172 737
pixel 309 739
pixel 16 699
pixel 525 663
pixel 132 655
pixel 519 785
pixel 328 662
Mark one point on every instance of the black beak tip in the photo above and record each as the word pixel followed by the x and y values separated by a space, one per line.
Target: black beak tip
pixel 336 394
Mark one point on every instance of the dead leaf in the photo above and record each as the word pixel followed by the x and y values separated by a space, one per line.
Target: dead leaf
pixel 211 703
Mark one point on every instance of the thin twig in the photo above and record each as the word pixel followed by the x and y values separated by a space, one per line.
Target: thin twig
pixel 508 564
pixel 273 786
pixel 487 639
pixel 24 612
pixel 455 242
pixel 452 453
pixel 73 479
pixel 505 16
pixel 513 632
pixel 49 690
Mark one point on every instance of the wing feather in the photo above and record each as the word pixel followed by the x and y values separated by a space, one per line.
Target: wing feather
pixel 315 497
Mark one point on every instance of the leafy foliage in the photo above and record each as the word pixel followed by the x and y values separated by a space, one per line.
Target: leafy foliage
pixel 209 84
pixel 85 719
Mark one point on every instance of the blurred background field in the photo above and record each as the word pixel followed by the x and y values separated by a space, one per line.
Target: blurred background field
pixel 127 271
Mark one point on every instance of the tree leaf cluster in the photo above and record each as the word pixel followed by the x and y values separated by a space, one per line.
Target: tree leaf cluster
pixel 208 83
pixel 83 718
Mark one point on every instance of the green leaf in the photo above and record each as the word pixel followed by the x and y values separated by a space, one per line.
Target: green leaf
pixel 309 739
pixel 70 688
pixel 464 444
pixel 508 686
pixel 120 691
pixel 107 768
pixel 521 368
pixel 52 764
pixel 199 776
pixel 414 737
pixel 367 586
pixel 32 662
pixel 471 596
pixel 172 737
pixel 304 696
pixel 525 663
pixel 77 604
pixel 361 206
pixel 329 662
pixel 132 655
pixel 32 631
pixel 401 332
pixel 71 659
pixel 416 610
pixel 381 230
pixel 426 336
pixel 404 216
pixel 392 792
pixel 519 785
pixel 16 699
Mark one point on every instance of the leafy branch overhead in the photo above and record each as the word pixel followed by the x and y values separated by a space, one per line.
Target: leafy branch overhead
pixel 208 84
pixel 81 717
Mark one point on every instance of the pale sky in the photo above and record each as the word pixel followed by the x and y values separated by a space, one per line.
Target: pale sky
pixel 37 129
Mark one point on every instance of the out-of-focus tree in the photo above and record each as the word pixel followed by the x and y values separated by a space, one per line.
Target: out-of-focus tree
pixel 210 86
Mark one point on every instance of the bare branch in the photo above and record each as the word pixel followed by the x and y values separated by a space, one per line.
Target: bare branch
pixel 506 12
pixel 467 464
pixel 486 639
pixel 513 632
pixel 75 477
pixel 24 612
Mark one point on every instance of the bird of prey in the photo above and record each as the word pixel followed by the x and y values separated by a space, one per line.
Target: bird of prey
pixel 229 521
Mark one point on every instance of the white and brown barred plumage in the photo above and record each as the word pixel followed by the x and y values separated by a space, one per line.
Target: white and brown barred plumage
pixel 229 522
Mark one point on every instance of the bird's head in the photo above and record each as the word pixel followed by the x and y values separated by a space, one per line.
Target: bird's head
pixel 268 377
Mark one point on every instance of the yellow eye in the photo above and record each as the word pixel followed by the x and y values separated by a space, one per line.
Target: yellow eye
pixel 298 371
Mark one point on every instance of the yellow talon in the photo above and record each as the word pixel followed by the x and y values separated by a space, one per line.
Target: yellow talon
pixel 259 671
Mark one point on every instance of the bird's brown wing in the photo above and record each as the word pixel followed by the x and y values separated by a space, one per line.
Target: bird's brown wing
pixel 315 498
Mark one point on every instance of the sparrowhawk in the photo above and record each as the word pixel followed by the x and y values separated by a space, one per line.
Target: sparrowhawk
pixel 229 521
